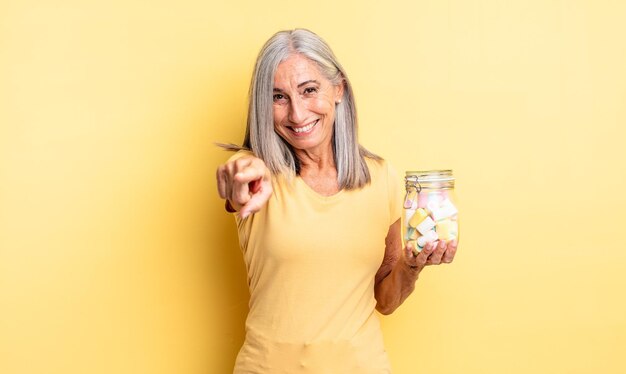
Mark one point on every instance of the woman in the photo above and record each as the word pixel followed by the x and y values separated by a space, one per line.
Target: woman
pixel 318 220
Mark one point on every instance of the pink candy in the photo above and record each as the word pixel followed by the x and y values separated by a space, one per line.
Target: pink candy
pixel 422 200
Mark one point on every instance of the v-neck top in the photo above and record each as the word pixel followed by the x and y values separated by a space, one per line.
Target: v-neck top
pixel 311 262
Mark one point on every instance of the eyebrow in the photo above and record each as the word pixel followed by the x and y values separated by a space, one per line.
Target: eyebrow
pixel 299 85
pixel 307 82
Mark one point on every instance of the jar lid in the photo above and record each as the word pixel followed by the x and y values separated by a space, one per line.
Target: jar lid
pixel 432 175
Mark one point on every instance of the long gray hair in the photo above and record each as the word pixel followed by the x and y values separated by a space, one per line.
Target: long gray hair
pixel 265 143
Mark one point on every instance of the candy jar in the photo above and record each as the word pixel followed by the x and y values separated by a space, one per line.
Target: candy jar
pixel 430 211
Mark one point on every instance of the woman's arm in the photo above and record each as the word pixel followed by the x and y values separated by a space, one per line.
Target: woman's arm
pixel 395 279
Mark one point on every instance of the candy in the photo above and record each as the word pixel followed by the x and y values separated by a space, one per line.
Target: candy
pixel 447 229
pixel 432 206
pixel 426 225
pixel 430 237
pixel 410 233
pixel 434 197
pixel 422 200
pixel 418 217
pixel 430 214
pixel 445 210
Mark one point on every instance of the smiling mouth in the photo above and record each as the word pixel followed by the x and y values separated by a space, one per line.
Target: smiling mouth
pixel 304 129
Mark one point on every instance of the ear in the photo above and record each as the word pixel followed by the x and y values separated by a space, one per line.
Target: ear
pixel 339 90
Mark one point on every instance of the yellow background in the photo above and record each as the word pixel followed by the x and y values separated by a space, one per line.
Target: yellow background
pixel 116 255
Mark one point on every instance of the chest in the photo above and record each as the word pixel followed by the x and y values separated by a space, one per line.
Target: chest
pixel 322 186
pixel 344 230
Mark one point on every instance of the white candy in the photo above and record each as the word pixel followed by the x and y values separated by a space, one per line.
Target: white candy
pixel 426 225
pixel 434 197
pixel 432 206
pixel 445 210
pixel 429 237
pixel 432 236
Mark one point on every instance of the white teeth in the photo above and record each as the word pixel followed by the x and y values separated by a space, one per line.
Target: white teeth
pixel 304 128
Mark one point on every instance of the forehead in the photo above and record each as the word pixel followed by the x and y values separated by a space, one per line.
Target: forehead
pixel 296 69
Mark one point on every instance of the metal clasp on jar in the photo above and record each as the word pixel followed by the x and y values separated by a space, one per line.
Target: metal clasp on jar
pixel 413 188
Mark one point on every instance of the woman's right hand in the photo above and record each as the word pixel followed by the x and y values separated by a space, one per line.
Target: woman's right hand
pixel 246 183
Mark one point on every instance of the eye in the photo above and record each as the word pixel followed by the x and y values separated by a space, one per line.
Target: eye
pixel 279 98
pixel 310 90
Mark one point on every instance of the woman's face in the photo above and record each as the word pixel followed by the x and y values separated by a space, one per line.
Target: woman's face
pixel 304 105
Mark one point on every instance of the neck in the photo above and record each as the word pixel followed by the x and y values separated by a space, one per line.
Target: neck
pixel 312 162
pixel 319 171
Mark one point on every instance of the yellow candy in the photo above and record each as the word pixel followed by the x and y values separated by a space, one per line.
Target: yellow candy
pixel 418 217
pixel 447 229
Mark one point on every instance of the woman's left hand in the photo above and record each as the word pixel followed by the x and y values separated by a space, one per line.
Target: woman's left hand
pixel 434 253
pixel 444 252
pixel 401 267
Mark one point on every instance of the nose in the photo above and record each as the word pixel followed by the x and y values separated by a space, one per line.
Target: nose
pixel 297 110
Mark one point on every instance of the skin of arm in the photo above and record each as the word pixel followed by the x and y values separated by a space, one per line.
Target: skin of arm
pixel 395 279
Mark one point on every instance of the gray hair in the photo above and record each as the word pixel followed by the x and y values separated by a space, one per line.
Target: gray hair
pixel 262 139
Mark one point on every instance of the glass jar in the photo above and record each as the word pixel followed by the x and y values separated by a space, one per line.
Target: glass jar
pixel 430 212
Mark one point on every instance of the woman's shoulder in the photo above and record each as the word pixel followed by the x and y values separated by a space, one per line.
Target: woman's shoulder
pixel 376 164
pixel 380 169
